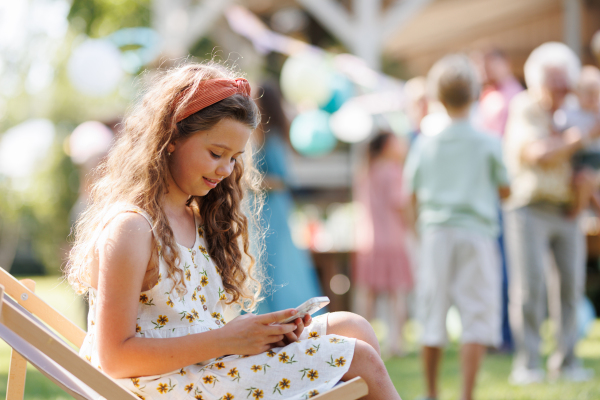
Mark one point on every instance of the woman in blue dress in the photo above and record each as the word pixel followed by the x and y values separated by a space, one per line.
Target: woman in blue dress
pixel 292 278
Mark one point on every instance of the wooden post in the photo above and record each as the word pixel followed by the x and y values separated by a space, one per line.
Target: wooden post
pixel 15 389
pixel 572 25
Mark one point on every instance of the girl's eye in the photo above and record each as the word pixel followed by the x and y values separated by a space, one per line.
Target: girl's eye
pixel 217 156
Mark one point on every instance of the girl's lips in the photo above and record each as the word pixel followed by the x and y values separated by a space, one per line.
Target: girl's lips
pixel 209 183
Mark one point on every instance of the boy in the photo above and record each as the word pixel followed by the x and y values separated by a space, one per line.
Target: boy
pixel 456 178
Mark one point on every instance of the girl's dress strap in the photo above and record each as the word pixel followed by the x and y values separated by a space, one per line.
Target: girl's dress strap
pixel 124 207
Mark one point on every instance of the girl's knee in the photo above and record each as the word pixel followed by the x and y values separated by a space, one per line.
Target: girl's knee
pixel 352 325
pixel 365 361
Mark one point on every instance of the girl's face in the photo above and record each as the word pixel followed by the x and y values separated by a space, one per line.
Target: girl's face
pixel 198 163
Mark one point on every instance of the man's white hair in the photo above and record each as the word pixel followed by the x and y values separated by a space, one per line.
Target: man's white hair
pixel 553 55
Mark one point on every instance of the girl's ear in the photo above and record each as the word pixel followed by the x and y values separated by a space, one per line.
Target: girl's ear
pixel 171 146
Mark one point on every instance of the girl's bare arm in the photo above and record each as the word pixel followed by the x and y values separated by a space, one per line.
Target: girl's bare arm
pixel 124 251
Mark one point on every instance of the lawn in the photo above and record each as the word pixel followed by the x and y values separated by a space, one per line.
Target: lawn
pixel 405 371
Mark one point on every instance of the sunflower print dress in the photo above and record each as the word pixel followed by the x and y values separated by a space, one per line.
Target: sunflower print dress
pixel 301 370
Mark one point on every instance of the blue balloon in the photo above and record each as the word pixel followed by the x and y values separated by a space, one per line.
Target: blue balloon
pixel 148 41
pixel 310 134
pixel 342 89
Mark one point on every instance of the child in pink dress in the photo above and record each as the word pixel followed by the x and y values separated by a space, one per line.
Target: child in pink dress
pixel 382 264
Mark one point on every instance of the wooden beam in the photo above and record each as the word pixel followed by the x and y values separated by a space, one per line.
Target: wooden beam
pixel 334 18
pixel 572 25
pixel 35 334
pixel 351 390
pixel 399 14
pixel 17 371
pixel 443 23
pixel 32 303
pixel 203 18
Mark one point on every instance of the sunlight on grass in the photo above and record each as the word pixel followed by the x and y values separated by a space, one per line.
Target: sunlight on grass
pixel 406 372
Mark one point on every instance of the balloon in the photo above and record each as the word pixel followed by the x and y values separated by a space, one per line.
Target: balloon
pixel 24 147
pixel 94 68
pixel 342 90
pixel 305 79
pixel 147 41
pixel 310 134
pixel 434 123
pixel 88 141
pixel 351 123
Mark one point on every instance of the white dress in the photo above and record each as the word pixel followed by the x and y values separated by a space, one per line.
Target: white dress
pixel 300 370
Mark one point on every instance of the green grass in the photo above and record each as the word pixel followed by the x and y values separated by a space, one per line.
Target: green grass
pixel 405 372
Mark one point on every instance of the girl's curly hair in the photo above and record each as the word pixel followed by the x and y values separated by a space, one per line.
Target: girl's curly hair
pixel 136 170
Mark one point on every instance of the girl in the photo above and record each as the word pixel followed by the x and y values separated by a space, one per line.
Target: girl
pixel 164 246
pixel 382 263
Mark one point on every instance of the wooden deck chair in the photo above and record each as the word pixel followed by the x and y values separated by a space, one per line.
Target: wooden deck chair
pixel 32 341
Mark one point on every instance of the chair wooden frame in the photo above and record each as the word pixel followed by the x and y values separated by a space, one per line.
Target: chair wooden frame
pixel 32 341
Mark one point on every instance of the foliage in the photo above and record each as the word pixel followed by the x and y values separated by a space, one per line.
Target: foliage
pixel 97 18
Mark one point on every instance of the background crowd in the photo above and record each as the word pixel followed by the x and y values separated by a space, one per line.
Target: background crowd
pixel 446 205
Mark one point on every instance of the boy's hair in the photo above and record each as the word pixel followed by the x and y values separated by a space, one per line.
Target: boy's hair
pixel 453 81
pixel 136 170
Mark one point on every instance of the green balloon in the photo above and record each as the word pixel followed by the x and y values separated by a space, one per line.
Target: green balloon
pixel 310 134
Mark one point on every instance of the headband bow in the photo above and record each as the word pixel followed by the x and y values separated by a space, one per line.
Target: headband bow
pixel 211 91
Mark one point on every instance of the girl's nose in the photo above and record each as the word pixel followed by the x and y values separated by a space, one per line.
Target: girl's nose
pixel 225 169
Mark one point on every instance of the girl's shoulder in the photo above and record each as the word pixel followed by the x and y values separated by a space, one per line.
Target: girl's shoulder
pixel 124 223
pixel 127 228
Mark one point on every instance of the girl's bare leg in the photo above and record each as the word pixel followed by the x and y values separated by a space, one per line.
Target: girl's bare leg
pixel 366 361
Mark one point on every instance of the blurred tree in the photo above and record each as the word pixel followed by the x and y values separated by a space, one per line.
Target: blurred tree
pixel 97 18
pixel 34 222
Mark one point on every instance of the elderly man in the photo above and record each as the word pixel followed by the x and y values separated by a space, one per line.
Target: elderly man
pixel 537 217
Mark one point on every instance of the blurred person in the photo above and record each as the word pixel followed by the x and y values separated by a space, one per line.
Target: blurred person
pixel 456 179
pixel 417 106
pixel 499 89
pixel 382 265
pixel 290 271
pixel 537 218
pixel 586 160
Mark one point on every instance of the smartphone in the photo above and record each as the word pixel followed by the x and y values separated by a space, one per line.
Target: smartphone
pixel 309 307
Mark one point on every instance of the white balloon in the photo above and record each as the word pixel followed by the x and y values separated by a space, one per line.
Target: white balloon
pixel 434 123
pixel 351 123
pixel 89 140
pixel 305 79
pixel 95 67
pixel 24 146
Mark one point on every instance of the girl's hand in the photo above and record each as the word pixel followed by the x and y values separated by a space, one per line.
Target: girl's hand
pixel 251 334
pixel 293 336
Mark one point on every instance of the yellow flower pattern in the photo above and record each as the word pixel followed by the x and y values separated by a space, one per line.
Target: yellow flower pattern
pixel 204 252
pixel 301 370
